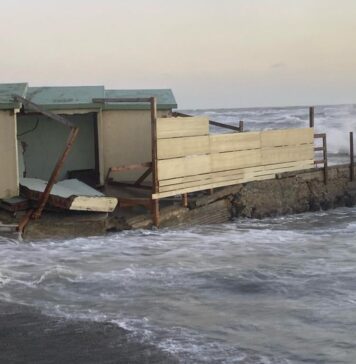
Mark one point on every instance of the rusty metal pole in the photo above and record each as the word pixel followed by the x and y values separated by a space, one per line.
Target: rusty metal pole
pixel 311 117
pixel 155 187
pixel 352 166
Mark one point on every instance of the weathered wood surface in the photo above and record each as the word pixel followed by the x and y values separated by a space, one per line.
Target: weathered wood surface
pixel 189 159
pixel 182 127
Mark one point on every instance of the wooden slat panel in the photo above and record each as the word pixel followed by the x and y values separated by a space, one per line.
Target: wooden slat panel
pixel 201 187
pixel 182 127
pixel 244 173
pixel 235 160
pixel 287 154
pixel 181 147
pixel 276 168
pixel 180 167
pixel 275 138
pixel 208 186
pixel 234 142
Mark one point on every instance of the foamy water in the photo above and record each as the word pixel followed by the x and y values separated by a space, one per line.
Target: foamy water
pixel 279 290
pixel 336 121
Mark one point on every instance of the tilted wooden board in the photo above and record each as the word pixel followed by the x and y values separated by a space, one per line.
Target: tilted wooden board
pixel 191 160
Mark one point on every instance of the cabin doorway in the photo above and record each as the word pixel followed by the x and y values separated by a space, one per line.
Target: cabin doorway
pixel 42 140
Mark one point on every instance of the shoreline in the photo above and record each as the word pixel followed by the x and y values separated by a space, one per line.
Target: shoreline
pixel 28 336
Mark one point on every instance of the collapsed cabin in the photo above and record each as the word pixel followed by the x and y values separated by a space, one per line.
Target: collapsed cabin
pixel 110 134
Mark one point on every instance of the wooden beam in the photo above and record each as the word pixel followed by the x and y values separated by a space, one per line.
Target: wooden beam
pixel 185 200
pixel 54 177
pixel 32 106
pixel 143 177
pixel 125 184
pixel 215 123
pixel 121 99
pixel 352 162
pixel 311 117
pixel 155 187
pixel 130 167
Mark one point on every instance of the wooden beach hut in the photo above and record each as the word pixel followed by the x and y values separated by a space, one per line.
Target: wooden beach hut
pixel 109 134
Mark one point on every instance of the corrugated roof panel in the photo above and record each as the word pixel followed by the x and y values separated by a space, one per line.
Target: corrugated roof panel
pixel 6 92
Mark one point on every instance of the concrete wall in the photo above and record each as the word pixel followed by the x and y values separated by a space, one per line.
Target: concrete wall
pixel 45 141
pixel 8 155
pixel 126 139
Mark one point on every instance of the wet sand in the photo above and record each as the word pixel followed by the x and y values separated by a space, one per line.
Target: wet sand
pixel 27 336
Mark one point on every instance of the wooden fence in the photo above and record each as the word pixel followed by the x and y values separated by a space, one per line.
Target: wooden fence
pixel 189 159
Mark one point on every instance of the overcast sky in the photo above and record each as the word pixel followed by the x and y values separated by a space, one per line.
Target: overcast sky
pixel 212 53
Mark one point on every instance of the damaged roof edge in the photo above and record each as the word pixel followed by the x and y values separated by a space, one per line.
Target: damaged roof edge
pixel 81 97
pixel 165 99
pixel 7 90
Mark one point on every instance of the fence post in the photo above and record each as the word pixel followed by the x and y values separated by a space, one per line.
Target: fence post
pixel 241 126
pixel 154 203
pixel 351 156
pixel 311 117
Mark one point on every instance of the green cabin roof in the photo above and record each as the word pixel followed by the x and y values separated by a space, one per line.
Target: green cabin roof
pixel 81 97
pixel 68 97
pixel 7 90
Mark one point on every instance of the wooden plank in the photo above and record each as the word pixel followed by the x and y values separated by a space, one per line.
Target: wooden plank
pixel 215 123
pixel 287 154
pixel 92 203
pixel 180 167
pixel 32 106
pixel 182 127
pixel 198 177
pixel 207 186
pixel 131 167
pixel 234 142
pixel 181 147
pixel 235 160
pixel 283 137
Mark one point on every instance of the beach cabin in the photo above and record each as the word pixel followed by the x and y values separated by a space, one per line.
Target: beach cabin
pixel 110 134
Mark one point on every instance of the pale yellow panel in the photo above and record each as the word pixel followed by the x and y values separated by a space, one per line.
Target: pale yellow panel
pixel 182 127
pixel 180 167
pixel 229 178
pixel 181 147
pixel 212 178
pixel 287 154
pixel 275 138
pixel 234 160
pixel 208 186
pixel 234 142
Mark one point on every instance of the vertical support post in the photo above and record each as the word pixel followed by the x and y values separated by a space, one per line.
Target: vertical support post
pixel 311 117
pixel 241 126
pixel 155 203
pixel 185 200
pixel 54 177
pixel 352 165
pixel 325 155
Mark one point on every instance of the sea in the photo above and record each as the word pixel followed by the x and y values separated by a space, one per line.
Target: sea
pixel 271 291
